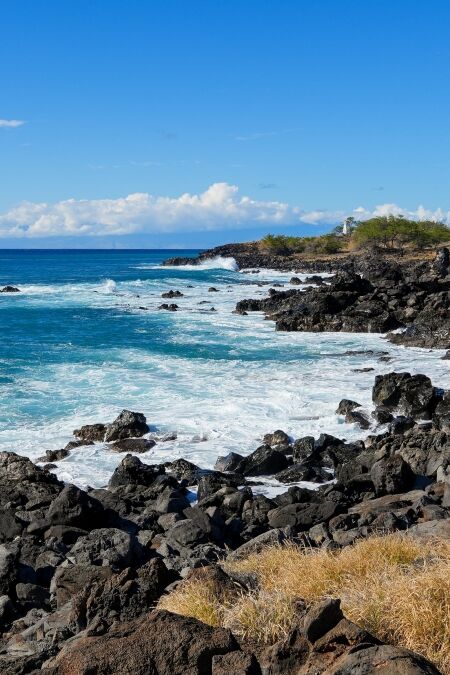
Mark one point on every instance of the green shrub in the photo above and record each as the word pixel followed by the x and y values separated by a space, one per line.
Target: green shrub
pixel 397 232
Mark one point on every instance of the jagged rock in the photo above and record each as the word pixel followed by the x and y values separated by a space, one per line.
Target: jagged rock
pixel 346 405
pixel 70 580
pixel 321 618
pixel 304 449
pixel 356 417
pixel 263 461
pixel 127 425
pixel 107 547
pixel 91 432
pixel 276 438
pixel 121 597
pixel 228 462
pixel 413 395
pixel 131 471
pixel 75 507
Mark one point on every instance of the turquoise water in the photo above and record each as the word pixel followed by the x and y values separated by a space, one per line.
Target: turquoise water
pixel 85 338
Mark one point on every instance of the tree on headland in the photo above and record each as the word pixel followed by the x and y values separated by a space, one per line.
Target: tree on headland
pixel 397 232
pixel 383 232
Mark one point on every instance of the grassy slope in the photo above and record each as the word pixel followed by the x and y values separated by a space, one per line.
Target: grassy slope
pixel 394 586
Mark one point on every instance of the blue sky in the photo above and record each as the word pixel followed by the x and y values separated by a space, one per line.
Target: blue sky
pixel 266 115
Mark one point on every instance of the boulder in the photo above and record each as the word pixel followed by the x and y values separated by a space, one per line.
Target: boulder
pixel 75 507
pixel 303 449
pixel 123 596
pixel 228 462
pixel 131 471
pixel 262 462
pixel 321 618
pixel 276 438
pixel 91 432
pixel 346 405
pixel 160 642
pixel 72 579
pixel 413 395
pixel 391 476
pixel 383 660
pixel 107 547
pixel 357 417
pixel 127 425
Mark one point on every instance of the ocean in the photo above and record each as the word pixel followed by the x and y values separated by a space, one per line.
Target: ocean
pixel 84 339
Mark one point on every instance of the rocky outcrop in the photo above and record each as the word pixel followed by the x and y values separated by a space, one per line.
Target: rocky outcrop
pixel 127 425
pixel 81 571
pixel 369 294
pixel 9 289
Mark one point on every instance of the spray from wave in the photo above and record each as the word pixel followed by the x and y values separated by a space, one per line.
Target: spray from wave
pixel 216 263
pixel 108 286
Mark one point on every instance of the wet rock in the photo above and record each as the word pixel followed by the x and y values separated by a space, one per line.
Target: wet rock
pixel 172 307
pixel 276 438
pixel 10 289
pixel 91 432
pixel 228 462
pixel 401 424
pixel 54 455
pixel 132 445
pixel 357 417
pixel 304 449
pixel 172 294
pixel 182 469
pixel 296 281
pixel 303 471
pixel 127 425
pixel 346 405
pixel 413 395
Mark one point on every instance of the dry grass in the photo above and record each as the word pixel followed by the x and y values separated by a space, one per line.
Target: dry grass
pixel 394 586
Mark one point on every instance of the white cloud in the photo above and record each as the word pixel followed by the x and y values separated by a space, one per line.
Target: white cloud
pixel 220 207
pixel 11 124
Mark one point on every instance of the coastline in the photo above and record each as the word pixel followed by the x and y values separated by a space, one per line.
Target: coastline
pixel 166 520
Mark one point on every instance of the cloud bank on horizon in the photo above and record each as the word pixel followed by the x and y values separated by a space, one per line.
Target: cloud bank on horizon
pixel 220 207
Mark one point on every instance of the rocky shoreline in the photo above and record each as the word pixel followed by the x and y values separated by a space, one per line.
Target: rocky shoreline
pixel 82 570
pixel 368 293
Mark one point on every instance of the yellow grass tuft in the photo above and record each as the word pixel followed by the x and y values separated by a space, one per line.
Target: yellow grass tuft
pixel 394 586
